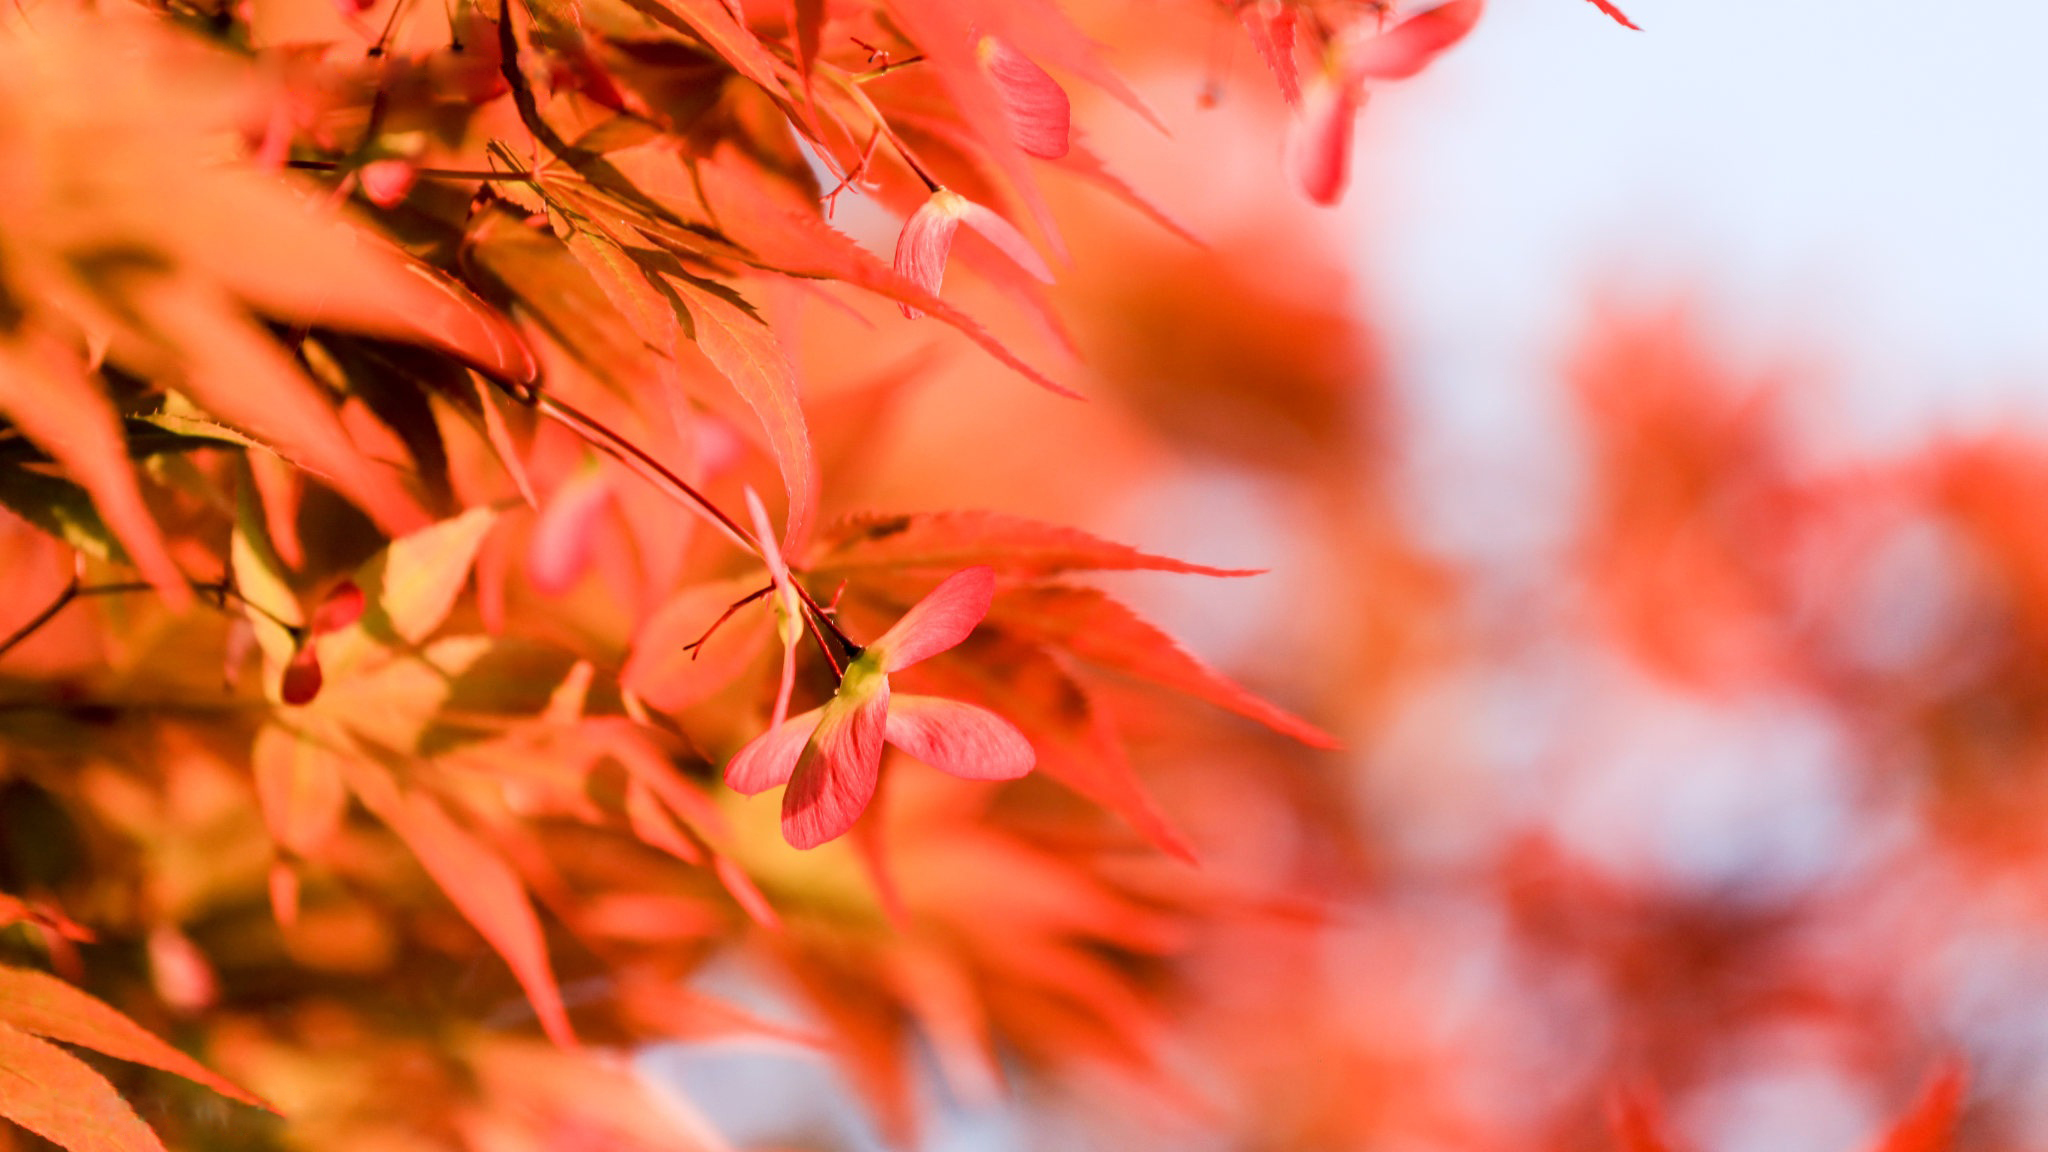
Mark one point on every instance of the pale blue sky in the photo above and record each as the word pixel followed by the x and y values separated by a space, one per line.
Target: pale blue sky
pixel 1864 179
pixel 1871 167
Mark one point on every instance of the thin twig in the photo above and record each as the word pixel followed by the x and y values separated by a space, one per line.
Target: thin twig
pixel 221 590
pixel 633 456
pixel 695 646
pixel 882 125
pixel 427 173
pixel 884 70
pixel 49 613
pixel 824 620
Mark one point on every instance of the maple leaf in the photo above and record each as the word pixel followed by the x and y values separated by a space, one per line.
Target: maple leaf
pixel 48 1007
pixel 831 756
pixel 478 881
pixel 796 240
pixel 410 587
pixel 806 23
pixel 299 786
pixel 667 305
pixel 744 349
pixel 1084 163
pixel 59 1097
pixel 1270 25
pixel 1101 631
pixel 1005 944
pixel 1074 738
pixel 160 262
pixel 44 389
pixel 645 215
pixel 559 294
pixel 1615 14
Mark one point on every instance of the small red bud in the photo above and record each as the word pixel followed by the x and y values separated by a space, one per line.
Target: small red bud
pixel 301 678
pixel 339 609
pixel 387 182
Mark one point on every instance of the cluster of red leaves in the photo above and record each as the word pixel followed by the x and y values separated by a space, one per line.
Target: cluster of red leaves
pixel 317 317
pixel 437 737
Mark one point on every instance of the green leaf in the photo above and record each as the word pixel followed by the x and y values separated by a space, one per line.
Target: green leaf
pixel 179 432
pixel 60 508
pixel 267 594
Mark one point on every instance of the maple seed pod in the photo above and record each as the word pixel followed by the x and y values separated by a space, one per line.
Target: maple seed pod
pixel 830 757
pixel 341 607
pixel 301 678
pixel 927 240
pixel 1040 116
pixel 1319 141
pixel 1403 51
pixel 387 182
